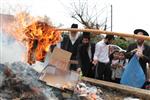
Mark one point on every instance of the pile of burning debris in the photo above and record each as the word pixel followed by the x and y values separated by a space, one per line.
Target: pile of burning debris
pixel 89 92
pixel 18 80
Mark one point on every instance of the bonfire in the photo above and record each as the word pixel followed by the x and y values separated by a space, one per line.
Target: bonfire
pixel 36 32
pixel 40 36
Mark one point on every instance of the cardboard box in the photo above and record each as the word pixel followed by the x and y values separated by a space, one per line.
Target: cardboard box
pixel 57 73
pixel 54 76
pixel 60 58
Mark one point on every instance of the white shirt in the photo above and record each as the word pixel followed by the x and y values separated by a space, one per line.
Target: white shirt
pixel 73 39
pixel 102 52
pixel 89 52
pixel 139 50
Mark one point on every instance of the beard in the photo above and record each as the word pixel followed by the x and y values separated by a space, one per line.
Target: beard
pixel 86 45
pixel 107 43
pixel 140 42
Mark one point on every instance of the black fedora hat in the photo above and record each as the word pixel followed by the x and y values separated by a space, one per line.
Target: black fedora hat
pixel 141 30
pixel 74 26
pixel 86 35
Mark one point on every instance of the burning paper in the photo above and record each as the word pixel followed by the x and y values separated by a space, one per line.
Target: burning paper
pixel 34 32
pixel 40 37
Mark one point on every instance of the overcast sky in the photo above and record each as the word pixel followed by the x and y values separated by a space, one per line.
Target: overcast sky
pixel 127 14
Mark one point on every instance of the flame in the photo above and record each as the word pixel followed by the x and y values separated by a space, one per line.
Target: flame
pixel 18 23
pixel 41 36
pixel 38 35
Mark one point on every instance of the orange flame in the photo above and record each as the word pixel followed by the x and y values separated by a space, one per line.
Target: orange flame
pixel 38 35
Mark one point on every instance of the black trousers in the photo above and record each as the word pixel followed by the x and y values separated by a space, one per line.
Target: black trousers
pixel 103 71
pixel 117 80
pixel 73 67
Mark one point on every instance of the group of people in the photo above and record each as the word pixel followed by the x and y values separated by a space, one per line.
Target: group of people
pixel 118 62
pixel 95 60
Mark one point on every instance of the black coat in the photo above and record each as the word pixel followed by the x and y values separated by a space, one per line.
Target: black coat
pixel 68 46
pixel 143 60
pixel 85 62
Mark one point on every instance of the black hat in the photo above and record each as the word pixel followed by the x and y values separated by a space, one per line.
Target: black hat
pixel 86 35
pixel 110 37
pixel 74 26
pixel 141 30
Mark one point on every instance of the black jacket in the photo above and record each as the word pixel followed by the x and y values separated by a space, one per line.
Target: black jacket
pixel 143 60
pixel 85 62
pixel 68 46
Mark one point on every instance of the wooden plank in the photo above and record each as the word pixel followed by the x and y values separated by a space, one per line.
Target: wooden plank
pixel 74 62
pixel 141 93
pixel 96 31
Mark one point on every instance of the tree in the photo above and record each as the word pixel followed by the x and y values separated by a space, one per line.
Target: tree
pixel 86 13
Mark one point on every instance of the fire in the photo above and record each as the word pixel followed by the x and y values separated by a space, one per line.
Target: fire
pixel 38 35
pixel 18 23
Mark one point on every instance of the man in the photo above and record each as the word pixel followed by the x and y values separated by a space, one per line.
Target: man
pixel 141 49
pixel 101 58
pixel 85 56
pixel 70 43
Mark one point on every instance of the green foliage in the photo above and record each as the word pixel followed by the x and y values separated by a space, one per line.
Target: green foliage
pixel 96 38
pixel 121 42
pixel 148 42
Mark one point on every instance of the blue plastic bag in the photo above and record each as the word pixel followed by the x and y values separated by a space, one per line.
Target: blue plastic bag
pixel 133 74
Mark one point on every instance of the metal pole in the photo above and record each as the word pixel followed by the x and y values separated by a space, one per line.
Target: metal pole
pixel 111 17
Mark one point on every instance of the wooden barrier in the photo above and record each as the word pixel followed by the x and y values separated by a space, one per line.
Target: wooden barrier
pixel 108 32
pixel 141 93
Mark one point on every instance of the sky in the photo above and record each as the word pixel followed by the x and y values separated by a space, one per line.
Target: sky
pixel 127 14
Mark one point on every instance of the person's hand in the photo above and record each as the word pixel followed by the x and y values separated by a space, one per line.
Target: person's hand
pixel 134 50
pixel 95 62
pixel 114 65
pixel 120 66
pixel 139 53
pixel 78 70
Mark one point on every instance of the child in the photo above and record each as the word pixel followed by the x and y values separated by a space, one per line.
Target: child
pixel 120 67
pixel 114 60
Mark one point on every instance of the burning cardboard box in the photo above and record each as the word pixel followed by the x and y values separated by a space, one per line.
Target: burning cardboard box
pixel 57 73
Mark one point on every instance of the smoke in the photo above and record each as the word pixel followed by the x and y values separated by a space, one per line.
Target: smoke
pixel 10 49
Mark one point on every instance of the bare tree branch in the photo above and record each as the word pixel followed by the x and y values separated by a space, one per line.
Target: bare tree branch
pixel 88 16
